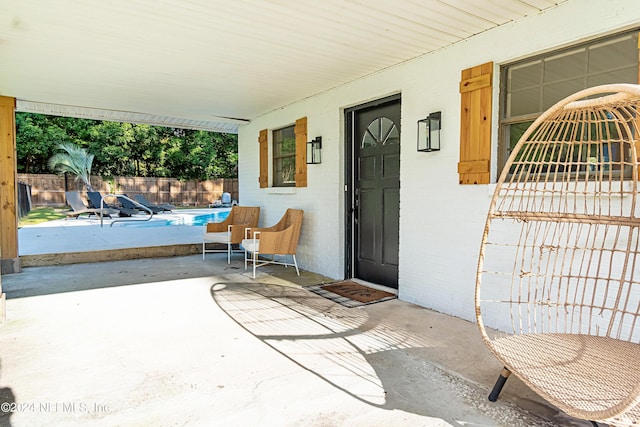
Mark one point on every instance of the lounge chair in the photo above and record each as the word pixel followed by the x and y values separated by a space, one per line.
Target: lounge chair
pixel 162 206
pixel 95 198
pixel 231 231
pixel 278 240
pixel 79 208
pixel 128 204
pixel 224 202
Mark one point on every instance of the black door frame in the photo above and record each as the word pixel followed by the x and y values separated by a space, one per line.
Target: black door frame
pixel 349 178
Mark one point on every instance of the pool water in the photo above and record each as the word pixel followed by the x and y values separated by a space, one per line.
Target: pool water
pixel 192 220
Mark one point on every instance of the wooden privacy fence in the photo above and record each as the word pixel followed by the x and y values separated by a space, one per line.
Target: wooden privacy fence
pixel 48 189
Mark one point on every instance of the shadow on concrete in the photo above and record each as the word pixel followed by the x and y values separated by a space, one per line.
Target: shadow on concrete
pixel 367 360
pixel 384 355
pixel 7 405
pixel 47 280
pixel 37 281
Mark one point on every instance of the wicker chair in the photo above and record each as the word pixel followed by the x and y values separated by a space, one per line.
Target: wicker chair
pixel 278 240
pixel 557 267
pixel 231 230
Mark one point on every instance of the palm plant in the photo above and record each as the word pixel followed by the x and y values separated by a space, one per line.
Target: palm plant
pixel 75 160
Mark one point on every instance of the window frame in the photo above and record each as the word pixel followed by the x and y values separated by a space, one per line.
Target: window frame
pixel 277 156
pixel 505 123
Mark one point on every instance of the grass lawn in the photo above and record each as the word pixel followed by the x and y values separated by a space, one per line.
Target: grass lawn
pixel 42 214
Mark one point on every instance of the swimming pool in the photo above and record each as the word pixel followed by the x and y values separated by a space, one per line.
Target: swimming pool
pixel 179 218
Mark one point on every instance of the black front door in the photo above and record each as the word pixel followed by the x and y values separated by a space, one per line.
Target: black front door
pixel 375 192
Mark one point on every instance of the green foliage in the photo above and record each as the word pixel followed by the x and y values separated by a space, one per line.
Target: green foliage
pixel 37 137
pixel 74 160
pixel 125 149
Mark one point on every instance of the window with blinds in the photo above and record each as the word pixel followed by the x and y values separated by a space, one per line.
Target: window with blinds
pixel 531 86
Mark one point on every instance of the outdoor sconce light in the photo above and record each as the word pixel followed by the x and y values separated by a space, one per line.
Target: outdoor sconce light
pixel 429 132
pixel 314 148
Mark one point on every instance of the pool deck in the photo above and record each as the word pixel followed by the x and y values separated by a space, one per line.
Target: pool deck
pixel 68 241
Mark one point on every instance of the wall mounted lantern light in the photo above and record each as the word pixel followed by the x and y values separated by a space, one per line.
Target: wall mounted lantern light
pixel 429 132
pixel 314 149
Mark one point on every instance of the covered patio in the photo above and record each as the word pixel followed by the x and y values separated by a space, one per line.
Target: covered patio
pixel 201 343
pixel 110 344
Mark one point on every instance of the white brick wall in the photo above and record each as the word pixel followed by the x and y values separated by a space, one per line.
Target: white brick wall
pixel 441 222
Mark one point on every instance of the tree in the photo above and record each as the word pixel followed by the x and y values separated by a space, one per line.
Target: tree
pixel 74 160
pixel 127 149
pixel 36 141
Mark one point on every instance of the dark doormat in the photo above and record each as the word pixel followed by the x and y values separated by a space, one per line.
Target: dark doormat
pixel 350 294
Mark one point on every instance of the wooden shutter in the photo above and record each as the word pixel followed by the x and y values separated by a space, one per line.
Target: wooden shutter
pixel 300 131
pixel 475 124
pixel 263 140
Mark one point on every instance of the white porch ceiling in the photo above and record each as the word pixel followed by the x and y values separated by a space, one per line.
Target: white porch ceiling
pixel 214 64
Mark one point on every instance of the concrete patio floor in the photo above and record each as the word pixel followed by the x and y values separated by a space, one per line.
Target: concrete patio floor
pixel 182 341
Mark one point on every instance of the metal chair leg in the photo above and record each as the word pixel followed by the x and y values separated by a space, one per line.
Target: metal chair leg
pixel 497 388
pixel 255 259
pixel 296 264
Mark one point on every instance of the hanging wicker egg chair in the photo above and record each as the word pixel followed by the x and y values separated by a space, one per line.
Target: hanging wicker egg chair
pixel 559 266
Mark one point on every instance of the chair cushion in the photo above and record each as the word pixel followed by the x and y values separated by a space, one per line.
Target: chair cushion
pixel 250 246
pixel 577 373
pixel 220 237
